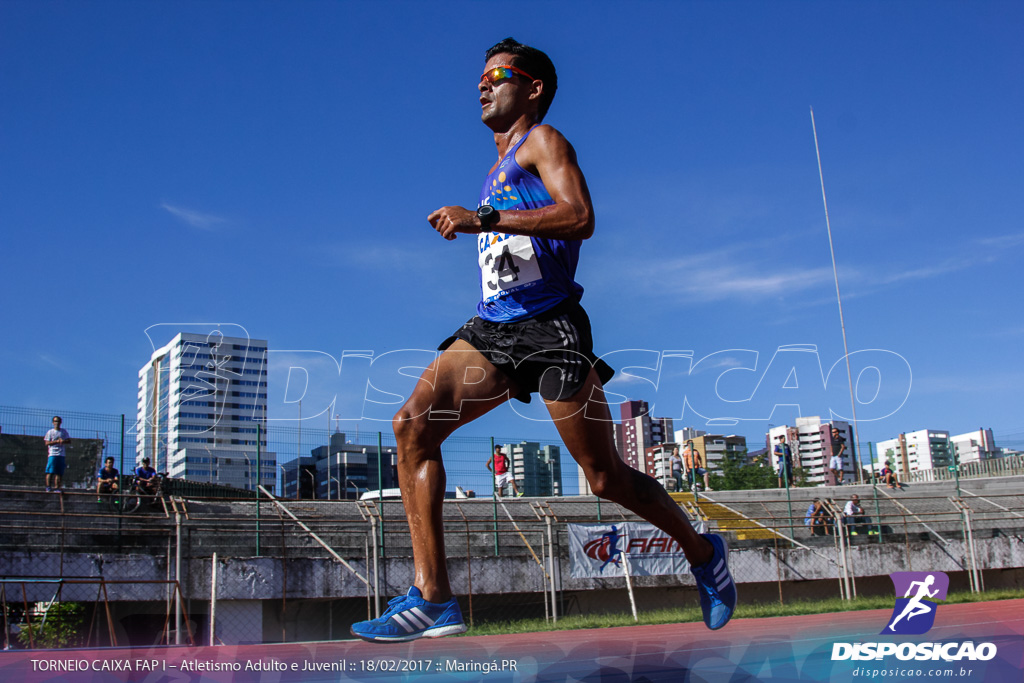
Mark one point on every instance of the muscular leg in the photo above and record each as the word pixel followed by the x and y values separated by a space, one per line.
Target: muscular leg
pixel 458 387
pixel 585 426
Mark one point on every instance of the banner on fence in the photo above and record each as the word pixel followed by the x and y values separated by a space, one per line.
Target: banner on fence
pixel 599 550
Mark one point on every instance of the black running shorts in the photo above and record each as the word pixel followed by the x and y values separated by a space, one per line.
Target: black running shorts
pixel 551 353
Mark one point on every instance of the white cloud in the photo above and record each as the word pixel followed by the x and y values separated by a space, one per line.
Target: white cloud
pixel 1003 241
pixel 196 219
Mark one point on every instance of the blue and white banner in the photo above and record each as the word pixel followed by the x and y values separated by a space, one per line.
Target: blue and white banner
pixel 599 550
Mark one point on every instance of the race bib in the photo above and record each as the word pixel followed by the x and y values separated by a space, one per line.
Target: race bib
pixel 507 263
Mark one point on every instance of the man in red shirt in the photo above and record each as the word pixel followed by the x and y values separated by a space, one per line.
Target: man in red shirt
pixel 502 473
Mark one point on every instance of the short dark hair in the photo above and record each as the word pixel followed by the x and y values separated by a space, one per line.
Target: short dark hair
pixel 534 62
pixel 109 458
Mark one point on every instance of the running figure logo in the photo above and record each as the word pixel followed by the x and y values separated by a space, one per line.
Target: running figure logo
pixel 605 548
pixel 914 613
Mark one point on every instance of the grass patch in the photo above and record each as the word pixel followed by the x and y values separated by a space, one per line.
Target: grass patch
pixel 692 614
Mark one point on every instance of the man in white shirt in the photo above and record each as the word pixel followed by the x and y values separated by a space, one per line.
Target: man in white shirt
pixel 853 515
pixel 56 463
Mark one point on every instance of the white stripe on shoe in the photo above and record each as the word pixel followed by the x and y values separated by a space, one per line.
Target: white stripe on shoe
pixel 412 619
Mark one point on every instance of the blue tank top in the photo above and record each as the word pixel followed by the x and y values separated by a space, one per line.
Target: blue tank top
pixel 521 276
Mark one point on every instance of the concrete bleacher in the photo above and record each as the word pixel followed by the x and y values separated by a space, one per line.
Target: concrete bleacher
pixel 31 519
pixel 996 505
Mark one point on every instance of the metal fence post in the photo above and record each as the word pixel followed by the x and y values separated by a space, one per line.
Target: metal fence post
pixel 494 496
pixel 380 498
pixel 874 490
pixel 259 482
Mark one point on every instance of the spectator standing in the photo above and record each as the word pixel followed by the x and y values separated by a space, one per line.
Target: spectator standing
pixel 835 463
pixel 784 460
pixel 56 462
pixel 502 472
pixel 677 468
pixel 695 466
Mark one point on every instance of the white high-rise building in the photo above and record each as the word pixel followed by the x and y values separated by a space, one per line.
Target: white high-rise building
pixel 924 449
pixel 811 443
pixel 201 401
pixel 975 446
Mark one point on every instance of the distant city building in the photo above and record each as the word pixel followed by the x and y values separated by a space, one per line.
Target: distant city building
pixel 810 440
pixel 298 478
pixel 924 449
pixel 687 434
pixel 638 432
pixel 201 401
pixel 344 471
pixel 537 469
pixel 714 448
pixel 582 483
pixel 975 446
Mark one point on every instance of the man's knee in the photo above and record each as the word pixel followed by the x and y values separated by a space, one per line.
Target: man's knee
pixel 415 430
pixel 611 485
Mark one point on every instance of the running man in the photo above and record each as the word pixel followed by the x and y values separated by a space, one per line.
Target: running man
pixel 530 335
pixel 916 607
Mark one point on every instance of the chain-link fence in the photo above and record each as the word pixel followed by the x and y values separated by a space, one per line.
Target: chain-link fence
pixel 286 571
pixel 195 565
pixel 302 461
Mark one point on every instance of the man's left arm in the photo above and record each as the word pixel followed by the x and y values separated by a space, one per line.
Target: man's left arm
pixel 548 155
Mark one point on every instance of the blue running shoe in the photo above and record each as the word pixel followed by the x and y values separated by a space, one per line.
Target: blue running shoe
pixel 717 589
pixel 409 617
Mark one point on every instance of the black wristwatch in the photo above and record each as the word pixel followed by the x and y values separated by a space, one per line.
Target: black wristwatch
pixel 488 215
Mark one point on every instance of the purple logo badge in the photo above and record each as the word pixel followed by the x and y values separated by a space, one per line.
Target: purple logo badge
pixel 914 612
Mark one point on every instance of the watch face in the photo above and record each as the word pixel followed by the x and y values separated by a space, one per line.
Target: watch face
pixel 487 214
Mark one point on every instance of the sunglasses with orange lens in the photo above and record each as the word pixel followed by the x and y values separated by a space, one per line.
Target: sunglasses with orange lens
pixel 500 73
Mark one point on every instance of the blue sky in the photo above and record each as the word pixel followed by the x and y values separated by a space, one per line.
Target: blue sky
pixel 271 166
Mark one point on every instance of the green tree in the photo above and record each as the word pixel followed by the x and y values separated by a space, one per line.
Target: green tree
pixel 59 627
pixel 739 475
pixel 800 479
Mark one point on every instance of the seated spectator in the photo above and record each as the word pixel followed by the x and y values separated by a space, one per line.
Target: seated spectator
pixel 821 522
pixel 108 478
pixel 888 475
pixel 145 478
pixel 854 518
pixel 811 509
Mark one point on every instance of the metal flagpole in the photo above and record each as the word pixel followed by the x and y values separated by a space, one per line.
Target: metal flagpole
pixel 835 274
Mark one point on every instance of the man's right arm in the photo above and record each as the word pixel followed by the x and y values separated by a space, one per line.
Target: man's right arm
pixel 548 155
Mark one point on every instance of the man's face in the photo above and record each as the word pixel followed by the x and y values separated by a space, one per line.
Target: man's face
pixel 507 99
pixel 56 423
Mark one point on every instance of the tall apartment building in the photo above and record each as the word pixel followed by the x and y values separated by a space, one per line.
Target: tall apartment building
pixel 975 446
pixel 537 469
pixel 810 439
pixel 201 400
pixel 924 449
pixel 638 432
